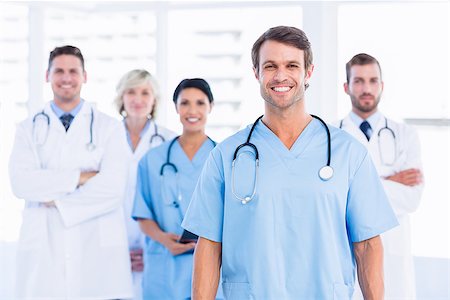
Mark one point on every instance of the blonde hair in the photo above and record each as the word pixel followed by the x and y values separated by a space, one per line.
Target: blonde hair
pixel 132 79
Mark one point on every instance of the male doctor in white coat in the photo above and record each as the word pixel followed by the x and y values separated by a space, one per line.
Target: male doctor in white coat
pixel 67 164
pixel 395 151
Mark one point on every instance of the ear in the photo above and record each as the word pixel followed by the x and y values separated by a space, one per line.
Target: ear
pixel 85 77
pixel 309 73
pixel 346 89
pixel 46 76
pixel 256 73
pixel 211 106
pixel 176 108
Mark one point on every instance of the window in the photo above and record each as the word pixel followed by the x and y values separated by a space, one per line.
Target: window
pixel 410 40
pixel 112 43
pixel 217 47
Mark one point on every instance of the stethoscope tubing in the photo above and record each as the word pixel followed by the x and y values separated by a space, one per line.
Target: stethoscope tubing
pixel 156 134
pixel 90 146
pixel 169 164
pixel 394 137
pixel 325 173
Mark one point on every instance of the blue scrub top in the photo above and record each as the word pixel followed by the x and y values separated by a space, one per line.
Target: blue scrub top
pixel 294 239
pixel 167 276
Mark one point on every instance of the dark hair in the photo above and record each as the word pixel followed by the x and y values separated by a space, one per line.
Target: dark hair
pixel 360 59
pixel 65 50
pixel 291 36
pixel 197 83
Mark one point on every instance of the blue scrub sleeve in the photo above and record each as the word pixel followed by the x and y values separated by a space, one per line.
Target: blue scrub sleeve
pixel 142 207
pixel 204 216
pixel 368 210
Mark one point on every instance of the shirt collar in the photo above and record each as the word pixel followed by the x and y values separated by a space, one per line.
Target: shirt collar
pixel 143 131
pixel 59 112
pixel 373 119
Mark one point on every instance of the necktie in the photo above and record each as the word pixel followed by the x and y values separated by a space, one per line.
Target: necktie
pixel 366 129
pixel 66 119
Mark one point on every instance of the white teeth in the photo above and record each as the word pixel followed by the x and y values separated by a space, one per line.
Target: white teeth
pixel 193 119
pixel 66 86
pixel 281 89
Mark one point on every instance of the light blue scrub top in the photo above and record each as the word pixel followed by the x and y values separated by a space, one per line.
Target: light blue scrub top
pixel 294 239
pixel 167 276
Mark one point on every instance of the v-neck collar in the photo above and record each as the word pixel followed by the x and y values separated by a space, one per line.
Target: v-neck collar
pixel 299 146
pixel 199 156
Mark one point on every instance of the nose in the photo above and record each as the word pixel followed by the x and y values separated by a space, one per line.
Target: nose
pixel 367 88
pixel 280 75
pixel 66 76
pixel 192 109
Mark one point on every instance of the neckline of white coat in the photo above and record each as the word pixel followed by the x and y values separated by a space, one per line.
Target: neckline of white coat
pixel 85 110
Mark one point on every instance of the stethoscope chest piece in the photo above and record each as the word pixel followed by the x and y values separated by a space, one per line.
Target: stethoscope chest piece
pixel 90 147
pixel 326 172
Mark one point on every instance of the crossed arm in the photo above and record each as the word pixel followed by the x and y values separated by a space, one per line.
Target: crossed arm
pixel 409 177
pixel 84 177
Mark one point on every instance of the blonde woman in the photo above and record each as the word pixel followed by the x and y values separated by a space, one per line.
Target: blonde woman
pixel 136 100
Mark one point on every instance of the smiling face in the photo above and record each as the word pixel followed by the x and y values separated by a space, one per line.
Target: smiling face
pixel 193 107
pixel 138 101
pixel 282 75
pixel 364 88
pixel 66 76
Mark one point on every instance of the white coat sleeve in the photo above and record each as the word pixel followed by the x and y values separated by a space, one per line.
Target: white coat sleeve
pixel 406 199
pixel 29 180
pixel 104 192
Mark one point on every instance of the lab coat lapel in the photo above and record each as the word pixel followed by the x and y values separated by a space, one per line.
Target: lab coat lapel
pixel 349 126
pixel 55 122
pixel 80 126
pixel 144 143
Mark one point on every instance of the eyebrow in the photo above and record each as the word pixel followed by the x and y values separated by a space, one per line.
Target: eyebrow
pixel 362 78
pixel 288 62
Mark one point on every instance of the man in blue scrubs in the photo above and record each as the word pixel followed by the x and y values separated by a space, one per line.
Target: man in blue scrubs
pixel 284 230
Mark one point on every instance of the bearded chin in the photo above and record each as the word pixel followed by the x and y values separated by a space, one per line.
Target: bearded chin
pixel 368 108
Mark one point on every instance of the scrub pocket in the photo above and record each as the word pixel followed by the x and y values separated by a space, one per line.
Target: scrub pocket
pixel 342 291
pixel 236 290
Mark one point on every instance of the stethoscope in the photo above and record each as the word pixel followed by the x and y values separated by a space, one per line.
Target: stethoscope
pixel 168 164
pixel 46 118
pixel 384 131
pixel 156 135
pixel 325 173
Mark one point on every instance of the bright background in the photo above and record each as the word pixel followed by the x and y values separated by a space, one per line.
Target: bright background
pixel 212 39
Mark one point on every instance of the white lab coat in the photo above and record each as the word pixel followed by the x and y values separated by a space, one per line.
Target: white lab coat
pixel 78 249
pixel 398 260
pixel 136 238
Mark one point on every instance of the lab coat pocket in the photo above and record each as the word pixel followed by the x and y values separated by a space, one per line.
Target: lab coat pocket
pixel 33 230
pixel 236 290
pixel 112 229
pixel 342 291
